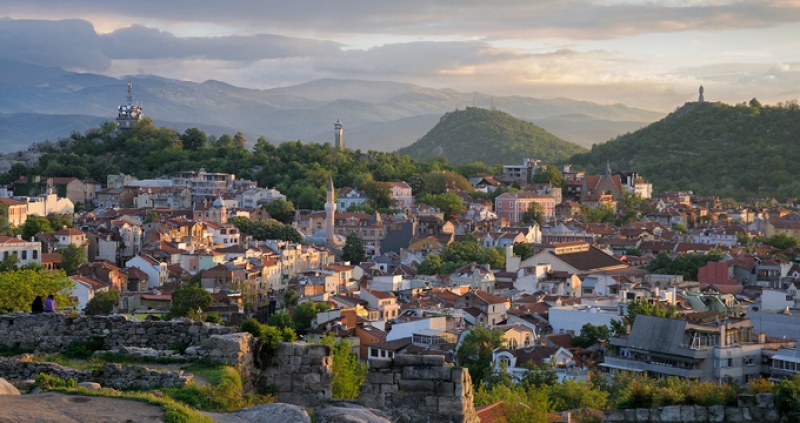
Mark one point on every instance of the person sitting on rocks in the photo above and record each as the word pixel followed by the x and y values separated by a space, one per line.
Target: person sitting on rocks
pixel 50 304
pixel 38 305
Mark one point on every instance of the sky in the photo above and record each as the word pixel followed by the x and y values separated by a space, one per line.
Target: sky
pixel 648 54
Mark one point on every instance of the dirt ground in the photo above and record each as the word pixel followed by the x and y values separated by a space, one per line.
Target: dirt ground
pixel 60 408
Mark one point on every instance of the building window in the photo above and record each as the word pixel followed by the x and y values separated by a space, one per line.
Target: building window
pixel 35 254
pixel 24 254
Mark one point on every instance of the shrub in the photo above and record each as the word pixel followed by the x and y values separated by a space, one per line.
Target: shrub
pixel 46 381
pixel 227 393
pixel 786 396
pixel 760 386
pixel 214 318
pixel 83 349
pixel 102 303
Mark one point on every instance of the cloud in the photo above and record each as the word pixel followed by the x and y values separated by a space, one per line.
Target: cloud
pixel 570 19
pixel 66 43
pixel 139 42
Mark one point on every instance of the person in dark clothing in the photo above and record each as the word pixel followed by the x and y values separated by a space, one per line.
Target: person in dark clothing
pixel 38 305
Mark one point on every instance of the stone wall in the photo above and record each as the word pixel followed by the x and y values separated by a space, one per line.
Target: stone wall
pixel 109 375
pixel 415 388
pixel 751 408
pixel 299 373
pixel 53 332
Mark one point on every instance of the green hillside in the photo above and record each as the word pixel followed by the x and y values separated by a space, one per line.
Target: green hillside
pixel 741 151
pixel 489 136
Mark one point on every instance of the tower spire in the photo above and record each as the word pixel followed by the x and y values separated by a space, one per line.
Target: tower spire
pixel 330 210
pixel 608 167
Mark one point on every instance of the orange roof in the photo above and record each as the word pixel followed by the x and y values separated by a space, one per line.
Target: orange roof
pixel 11 202
pixel 11 240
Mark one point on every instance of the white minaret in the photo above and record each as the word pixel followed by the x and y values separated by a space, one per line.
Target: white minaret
pixel 338 135
pixel 330 209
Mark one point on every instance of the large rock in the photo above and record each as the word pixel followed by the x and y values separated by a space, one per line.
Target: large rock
pixel 7 388
pixel 266 413
pixel 350 413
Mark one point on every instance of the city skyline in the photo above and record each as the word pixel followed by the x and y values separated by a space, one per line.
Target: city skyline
pixel 643 54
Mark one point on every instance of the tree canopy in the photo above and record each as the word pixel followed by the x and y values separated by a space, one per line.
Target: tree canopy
pixel 18 288
pixel 353 250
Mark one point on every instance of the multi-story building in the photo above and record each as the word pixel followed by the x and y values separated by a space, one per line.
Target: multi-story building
pixel 706 346
pixel 400 193
pixel 27 252
pixel 205 184
pixel 523 172
pixel 512 205
pixel 350 197
pixel 12 212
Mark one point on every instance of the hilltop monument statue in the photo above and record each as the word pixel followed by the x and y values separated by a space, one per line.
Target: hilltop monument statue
pixel 701 99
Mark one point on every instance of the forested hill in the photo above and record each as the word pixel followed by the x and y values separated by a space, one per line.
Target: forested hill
pixel 742 151
pixel 490 136
pixel 300 171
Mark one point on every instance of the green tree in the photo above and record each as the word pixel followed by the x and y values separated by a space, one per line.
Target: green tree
pixel 475 352
pixel 281 319
pixel 102 303
pixel 290 298
pixel 9 263
pixel 378 196
pixel 280 210
pixel 430 265
pixel 591 334
pixel 534 214
pixel 648 308
pixel 449 203
pixel 304 313
pixel 571 395
pixel 72 256
pixel 550 175
pixel 348 372
pixel 520 405
pixel 35 224
pixel 193 139
pixel 522 250
pixel 780 241
pixel 18 288
pixel 189 298
pixel 353 250
pixel 264 230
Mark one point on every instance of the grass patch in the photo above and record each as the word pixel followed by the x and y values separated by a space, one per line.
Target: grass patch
pixel 73 363
pixel 174 411
pixel 224 392
pixel 138 359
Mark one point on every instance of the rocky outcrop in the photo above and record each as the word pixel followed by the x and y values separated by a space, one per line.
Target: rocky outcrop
pixel 266 413
pixel 110 375
pixel 415 388
pixel 350 413
pixel 7 388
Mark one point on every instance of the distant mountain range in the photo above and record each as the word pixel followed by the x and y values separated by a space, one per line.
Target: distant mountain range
pixel 38 103
pixel 490 136
pixel 742 151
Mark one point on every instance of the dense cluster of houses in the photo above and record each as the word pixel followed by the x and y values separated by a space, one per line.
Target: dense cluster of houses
pixel 736 321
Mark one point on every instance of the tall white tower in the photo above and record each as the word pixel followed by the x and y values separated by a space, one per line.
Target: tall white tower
pixel 338 135
pixel 330 210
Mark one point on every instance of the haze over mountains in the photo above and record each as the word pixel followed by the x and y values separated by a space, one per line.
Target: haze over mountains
pixel 38 103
